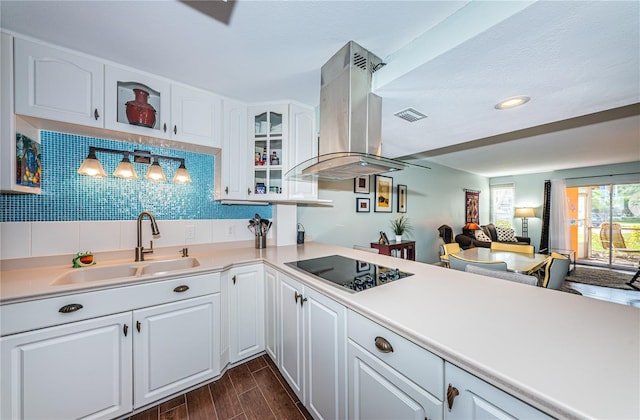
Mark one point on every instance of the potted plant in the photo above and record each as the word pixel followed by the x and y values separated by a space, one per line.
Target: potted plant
pixel 400 225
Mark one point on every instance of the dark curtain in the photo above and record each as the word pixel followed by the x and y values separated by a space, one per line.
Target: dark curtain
pixel 546 215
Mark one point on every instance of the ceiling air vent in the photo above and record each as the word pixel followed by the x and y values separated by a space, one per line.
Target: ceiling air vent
pixel 410 115
pixel 360 61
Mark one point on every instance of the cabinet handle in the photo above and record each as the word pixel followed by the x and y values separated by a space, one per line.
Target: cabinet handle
pixel 96 114
pixel 70 308
pixel 452 393
pixel 383 345
pixel 164 127
pixel 125 329
pixel 226 190
pixel 234 279
pixel 297 296
pixel 138 325
pixel 248 191
pixel 302 300
pixel 181 289
pixel 175 129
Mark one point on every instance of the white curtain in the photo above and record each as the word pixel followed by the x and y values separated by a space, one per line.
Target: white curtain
pixel 559 221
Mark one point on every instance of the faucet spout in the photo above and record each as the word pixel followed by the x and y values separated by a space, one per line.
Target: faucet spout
pixel 140 250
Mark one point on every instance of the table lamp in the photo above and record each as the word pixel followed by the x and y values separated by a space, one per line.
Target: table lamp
pixel 524 213
pixel 470 226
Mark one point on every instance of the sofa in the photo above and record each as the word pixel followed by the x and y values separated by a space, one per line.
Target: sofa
pixel 469 238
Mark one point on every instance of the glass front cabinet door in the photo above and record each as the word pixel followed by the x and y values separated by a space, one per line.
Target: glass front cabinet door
pixel 268 127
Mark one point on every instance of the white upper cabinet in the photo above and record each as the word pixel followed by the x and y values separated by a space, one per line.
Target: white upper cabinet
pixel 231 172
pixel 302 146
pixel 196 116
pixel 147 98
pixel 57 85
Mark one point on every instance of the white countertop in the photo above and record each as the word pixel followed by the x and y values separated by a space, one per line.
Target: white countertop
pixel 568 355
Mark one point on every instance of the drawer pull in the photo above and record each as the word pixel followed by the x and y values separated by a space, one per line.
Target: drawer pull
pixel 181 289
pixel 70 308
pixel 383 345
pixel 452 393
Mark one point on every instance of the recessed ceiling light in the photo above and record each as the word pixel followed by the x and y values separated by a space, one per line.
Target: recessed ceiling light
pixel 512 102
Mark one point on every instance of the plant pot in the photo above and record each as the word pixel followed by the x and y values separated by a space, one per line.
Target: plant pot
pixel 398 238
pixel 139 112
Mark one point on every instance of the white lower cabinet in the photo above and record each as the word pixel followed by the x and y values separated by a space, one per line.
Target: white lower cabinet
pixel 390 377
pixel 469 397
pixel 73 357
pixel 246 311
pixel 312 348
pixel 271 318
pixel 176 345
pixel 77 370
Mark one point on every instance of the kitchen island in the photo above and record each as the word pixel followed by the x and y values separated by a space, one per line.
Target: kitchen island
pixel 566 355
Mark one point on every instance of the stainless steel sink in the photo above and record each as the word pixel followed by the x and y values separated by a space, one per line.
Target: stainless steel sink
pixel 158 268
pixel 121 271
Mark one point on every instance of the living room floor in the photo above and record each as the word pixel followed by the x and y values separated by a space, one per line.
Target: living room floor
pixel 624 297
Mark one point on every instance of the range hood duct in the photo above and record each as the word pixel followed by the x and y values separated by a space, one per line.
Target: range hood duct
pixel 350 120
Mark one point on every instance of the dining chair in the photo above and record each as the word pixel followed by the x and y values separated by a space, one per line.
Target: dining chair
pixel 515 277
pixel 445 250
pixel 555 271
pixel 457 263
pixel 522 249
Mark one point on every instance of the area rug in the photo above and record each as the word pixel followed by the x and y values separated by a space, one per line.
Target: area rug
pixel 603 278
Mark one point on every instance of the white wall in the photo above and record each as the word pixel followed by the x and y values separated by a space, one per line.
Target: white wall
pixel 435 197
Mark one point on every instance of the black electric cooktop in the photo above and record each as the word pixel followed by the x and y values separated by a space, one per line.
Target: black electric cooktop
pixel 351 274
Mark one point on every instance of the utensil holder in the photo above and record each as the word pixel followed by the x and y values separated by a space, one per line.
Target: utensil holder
pixel 261 242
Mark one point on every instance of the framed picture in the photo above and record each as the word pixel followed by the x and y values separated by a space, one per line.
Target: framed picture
pixel 402 198
pixel 362 266
pixel 384 194
pixel 362 205
pixel 361 184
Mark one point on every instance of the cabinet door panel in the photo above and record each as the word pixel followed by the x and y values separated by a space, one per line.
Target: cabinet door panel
pixel 478 399
pixel 75 370
pixel 303 145
pixel 235 171
pixel 271 314
pixel 57 85
pixel 378 391
pixel 292 333
pixel 325 355
pixel 196 116
pixel 246 306
pixel 177 346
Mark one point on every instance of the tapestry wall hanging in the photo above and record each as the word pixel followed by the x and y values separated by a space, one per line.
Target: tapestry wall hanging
pixel 472 200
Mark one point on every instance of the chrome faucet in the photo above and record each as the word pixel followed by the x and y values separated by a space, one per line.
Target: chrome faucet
pixel 140 251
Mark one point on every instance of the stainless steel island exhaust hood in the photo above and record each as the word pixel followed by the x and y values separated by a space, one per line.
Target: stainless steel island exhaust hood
pixel 350 120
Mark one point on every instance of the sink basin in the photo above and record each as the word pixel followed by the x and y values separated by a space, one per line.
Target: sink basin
pixel 161 267
pixel 89 274
pixel 111 272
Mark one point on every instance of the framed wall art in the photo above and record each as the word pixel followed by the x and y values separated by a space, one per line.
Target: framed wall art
pixel 402 198
pixel 384 194
pixel 472 206
pixel 361 184
pixel 362 205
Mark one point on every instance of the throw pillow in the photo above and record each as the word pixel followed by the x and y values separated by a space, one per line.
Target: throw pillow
pixel 506 234
pixel 481 236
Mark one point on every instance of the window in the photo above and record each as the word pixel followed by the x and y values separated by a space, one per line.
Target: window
pixel 502 205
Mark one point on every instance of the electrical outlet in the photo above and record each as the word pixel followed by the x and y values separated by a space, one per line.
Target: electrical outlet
pixel 230 230
pixel 190 232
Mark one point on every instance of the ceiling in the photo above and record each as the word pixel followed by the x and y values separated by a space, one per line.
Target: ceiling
pixel 451 60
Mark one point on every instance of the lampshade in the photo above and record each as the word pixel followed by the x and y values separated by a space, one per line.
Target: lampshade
pixel 525 212
pixel 91 166
pixel 472 226
pixel 125 169
pixel 182 175
pixel 155 172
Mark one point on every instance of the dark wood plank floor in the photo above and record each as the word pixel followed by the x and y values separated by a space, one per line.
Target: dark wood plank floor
pixel 253 390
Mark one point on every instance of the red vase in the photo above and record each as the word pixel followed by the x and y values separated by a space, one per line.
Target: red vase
pixel 139 112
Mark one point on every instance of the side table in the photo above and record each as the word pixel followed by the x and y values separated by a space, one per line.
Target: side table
pixel 402 249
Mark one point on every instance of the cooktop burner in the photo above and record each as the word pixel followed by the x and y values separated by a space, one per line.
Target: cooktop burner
pixel 354 275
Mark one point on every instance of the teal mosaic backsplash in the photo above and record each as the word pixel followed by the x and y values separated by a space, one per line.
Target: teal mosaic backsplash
pixel 67 196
